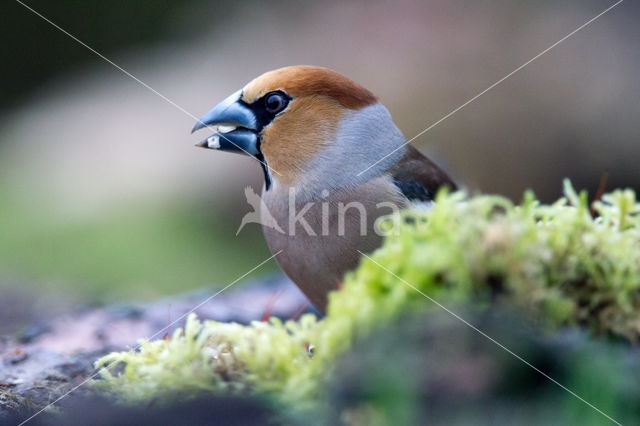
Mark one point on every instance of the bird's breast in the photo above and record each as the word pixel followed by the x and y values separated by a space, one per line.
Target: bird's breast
pixel 321 237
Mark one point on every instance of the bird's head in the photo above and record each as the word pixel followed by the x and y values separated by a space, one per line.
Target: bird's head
pixel 308 126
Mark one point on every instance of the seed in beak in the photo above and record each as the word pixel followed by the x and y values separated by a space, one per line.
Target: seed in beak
pixel 213 142
pixel 226 129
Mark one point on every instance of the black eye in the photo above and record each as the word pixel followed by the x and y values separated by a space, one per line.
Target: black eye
pixel 275 102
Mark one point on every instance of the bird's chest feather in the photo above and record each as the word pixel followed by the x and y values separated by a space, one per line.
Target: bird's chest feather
pixel 321 237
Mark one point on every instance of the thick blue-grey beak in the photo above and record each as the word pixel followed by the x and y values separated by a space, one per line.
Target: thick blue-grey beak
pixel 237 127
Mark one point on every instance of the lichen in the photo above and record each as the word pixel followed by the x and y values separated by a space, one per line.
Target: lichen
pixel 559 263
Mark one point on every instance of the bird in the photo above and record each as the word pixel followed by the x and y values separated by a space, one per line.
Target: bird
pixel 334 165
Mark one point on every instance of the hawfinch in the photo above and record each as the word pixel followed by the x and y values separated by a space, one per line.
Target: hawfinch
pixel 324 143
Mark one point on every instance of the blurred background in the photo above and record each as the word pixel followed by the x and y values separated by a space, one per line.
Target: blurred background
pixel 104 198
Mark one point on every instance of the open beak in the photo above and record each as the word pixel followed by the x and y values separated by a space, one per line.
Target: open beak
pixel 236 127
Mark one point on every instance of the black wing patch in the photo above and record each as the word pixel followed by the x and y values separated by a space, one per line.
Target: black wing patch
pixel 413 190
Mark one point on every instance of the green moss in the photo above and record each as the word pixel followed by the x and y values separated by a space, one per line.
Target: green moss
pixel 555 262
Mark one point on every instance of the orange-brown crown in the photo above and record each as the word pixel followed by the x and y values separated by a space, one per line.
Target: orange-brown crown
pixel 304 80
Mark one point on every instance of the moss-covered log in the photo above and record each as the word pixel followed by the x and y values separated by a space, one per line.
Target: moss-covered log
pixel 558 265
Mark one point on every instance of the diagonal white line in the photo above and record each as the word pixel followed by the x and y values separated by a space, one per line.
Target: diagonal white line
pixel 153 335
pixel 138 80
pixel 214 295
pixel 500 345
pixel 496 83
